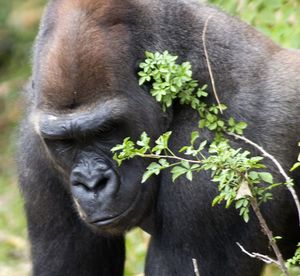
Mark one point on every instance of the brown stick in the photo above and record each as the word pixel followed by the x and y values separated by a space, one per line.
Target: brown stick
pixel 196 269
pixel 209 65
pixel 266 259
pixel 269 234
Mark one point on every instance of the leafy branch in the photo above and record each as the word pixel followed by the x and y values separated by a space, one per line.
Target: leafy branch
pixel 240 178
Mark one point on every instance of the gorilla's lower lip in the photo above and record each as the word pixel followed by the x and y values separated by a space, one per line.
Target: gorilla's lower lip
pixel 108 220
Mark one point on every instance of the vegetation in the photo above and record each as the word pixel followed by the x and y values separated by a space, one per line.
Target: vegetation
pixel 18 26
pixel 239 177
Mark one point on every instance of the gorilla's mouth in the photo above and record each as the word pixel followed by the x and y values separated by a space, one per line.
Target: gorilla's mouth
pixel 105 221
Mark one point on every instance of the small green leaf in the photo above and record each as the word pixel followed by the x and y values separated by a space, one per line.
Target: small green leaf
pixel 164 163
pixel 194 137
pixel 253 175
pixel 149 55
pixel 266 177
pixel 217 200
pixel 146 175
pixel 239 203
pixel 231 122
pixel 295 166
pixel 201 124
pixel 186 164
pixel 177 171
pixel 142 81
pixel 153 168
pixel 246 216
pixel 202 145
pixel 241 125
pixel 189 175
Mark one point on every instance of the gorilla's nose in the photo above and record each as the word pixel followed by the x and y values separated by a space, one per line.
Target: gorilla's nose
pixel 95 180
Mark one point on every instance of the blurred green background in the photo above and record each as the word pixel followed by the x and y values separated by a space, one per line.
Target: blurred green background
pixel 279 19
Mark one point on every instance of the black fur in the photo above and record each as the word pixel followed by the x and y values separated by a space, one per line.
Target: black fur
pixel 255 78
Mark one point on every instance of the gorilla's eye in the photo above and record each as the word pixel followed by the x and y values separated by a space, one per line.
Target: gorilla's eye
pixel 61 143
pixel 106 130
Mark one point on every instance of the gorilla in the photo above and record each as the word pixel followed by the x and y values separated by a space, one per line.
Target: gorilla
pixel 84 98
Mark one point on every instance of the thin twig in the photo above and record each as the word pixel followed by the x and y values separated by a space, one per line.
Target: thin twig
pixel 154 156
pixel 269 234
pixel 277 164
pixel 266 259
pixel 196 268
pixel 209 65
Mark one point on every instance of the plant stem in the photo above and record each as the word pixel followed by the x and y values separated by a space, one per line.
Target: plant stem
pixel 269 234
pixel 209 65
pixel 154 156
pixel 196 268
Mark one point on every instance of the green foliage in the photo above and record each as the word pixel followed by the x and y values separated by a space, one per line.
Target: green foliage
pixel 278 19
pixel 169 79
pixel 237 174
pixel 295 261
pixel 240 177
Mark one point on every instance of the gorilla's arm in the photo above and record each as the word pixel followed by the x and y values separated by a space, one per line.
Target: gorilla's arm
pixel 61 243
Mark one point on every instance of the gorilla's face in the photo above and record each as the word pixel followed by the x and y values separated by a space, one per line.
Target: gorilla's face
pixel 87 100
pixel 79 143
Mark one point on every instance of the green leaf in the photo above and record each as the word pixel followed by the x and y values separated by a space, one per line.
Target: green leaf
pixel 241 125
pixel 164 163
pixel 194 136
pixel 162 143
pixel 231 122
pixel 142 81
pixel 239 203
pixel 201 124
pixel 266 177
pixel 253 175
pixel 295 166
pixel 212 126
pixel 217 200
pixel 144 142
pixel 189 175
pixel 246 216
pixel 183 148
pixel 202 145
pixel 177 171
pixel 153 168
pixel 186 164
pixel 146 175
pixel 149 55
pixel 211 118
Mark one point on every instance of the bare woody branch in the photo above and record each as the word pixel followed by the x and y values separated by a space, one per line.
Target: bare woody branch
pixel 266 259
pixel 196 268
pixel 208 63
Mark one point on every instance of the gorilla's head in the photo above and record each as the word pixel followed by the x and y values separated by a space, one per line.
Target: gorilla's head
pixel 87 99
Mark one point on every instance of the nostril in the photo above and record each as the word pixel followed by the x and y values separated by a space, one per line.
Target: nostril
pixel 77 183
pixel 101 183
pixel 80 185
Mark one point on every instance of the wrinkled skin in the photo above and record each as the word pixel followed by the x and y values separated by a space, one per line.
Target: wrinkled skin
pixel 84 98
